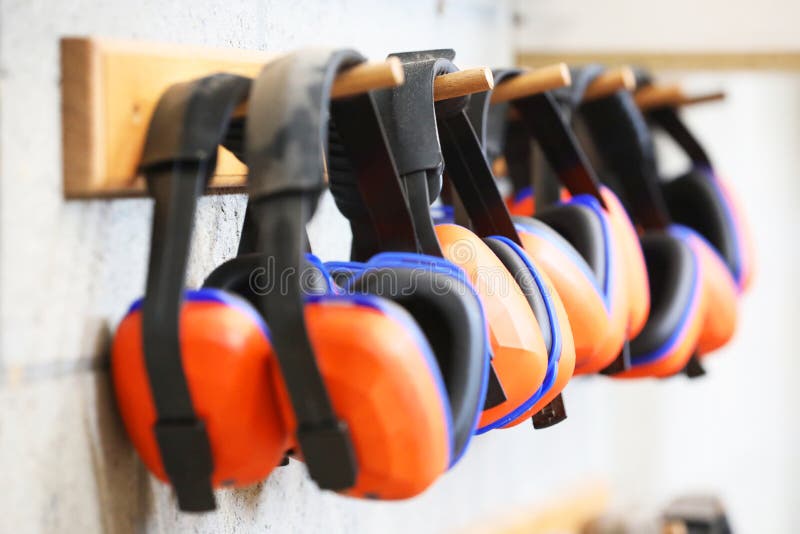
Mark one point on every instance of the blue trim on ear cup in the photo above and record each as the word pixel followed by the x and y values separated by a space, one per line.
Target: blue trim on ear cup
pixel 522 194
pixel 323 269
pixel 442 214
pixel 210 294
pixel 731 221
pixel 683 233
pixel 572 254
pixel 397 313
pixel 593 204
pixel 553 357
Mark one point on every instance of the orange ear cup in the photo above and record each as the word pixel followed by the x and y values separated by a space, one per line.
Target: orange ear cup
pixel 744 234
pixel 635 277
pixel 377 377
pixel 587 314
pixel 721 293
pixel 523 206
pixel 566 362
pixel 519 352
pixel 676 358
pixel 233 380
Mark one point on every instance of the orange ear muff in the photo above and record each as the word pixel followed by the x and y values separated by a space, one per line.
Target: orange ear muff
pixel 566 358
pixel 720 290
pixel 635 277
pixel 678 308
pixel 555 329
pixel 743 234
pixel 374 361
pixel 233 381
pixel 597 296
pixel 518 350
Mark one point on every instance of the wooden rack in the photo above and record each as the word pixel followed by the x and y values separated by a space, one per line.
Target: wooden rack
pixel 110 88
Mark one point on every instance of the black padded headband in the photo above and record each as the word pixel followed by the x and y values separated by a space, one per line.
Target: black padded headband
pixel 286 142
pixel 542 120
pixel 178 161
pixel 620 135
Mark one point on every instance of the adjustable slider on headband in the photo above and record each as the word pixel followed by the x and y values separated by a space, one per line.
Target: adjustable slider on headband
pixel 186 455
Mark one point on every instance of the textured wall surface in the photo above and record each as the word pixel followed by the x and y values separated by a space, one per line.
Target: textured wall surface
pixel 69 270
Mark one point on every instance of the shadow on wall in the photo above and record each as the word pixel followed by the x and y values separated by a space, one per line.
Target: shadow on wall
pixel 122 482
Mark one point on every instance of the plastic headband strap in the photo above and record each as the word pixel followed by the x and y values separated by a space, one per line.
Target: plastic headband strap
pixel 178 161
pixel 286 139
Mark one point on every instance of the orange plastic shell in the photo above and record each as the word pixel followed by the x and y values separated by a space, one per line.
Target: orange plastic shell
pixel 379 382
pixel 519 353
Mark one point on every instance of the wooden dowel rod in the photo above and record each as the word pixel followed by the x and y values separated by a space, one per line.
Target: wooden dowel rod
pixel 656 96
pixel 714 96
pixel 611 81
pixel 653 96
pixel 462 83
pixel 368 76
pixel 359 79
pixel 531 83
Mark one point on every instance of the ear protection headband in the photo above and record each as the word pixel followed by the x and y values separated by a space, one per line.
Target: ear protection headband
pixel 586 244
pixel 215 406
pixel 358 335
pixel 152 381
pixel 524 362
pixel 700 199
pixel 685 274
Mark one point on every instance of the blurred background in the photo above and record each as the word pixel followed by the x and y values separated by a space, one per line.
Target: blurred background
pixel 68 270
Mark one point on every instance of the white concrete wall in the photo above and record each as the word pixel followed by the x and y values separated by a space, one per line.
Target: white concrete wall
pixel 69 269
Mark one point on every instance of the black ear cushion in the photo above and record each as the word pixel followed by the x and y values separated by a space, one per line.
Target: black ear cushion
pixel 451 317
pixel 524 278
pixel 553 237
pixel 245 274
pixel 671 270
pixel 580 226
pixel 694 201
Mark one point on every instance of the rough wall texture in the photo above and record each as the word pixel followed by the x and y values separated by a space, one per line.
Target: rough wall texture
pixel 69 269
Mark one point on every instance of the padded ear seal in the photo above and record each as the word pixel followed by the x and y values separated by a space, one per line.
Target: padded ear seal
pixel 451 318
pixel 673 272
pixel 245 275
pixel 694 201
pixel 582 229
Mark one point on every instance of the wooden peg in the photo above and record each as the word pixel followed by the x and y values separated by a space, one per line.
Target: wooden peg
pixel 673 95
pixel 531 83
pixel 653 96
pixel 462 83
pixel 714 96
pixel 110 88
pixel 611 81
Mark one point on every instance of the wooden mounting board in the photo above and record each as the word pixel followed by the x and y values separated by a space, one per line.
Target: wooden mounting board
pixel 108 93
pixel 110 89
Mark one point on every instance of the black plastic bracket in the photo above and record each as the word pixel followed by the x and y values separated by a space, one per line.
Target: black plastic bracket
pixel 553 413
pixel 621 363
pixel 694 368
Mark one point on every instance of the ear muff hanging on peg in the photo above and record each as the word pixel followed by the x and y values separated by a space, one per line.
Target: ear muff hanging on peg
pixel 221 403
pixel 685 274
pixel 408 118
pixel 446 325
pixel 584 245
pixel 700 198
pixel 156 373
